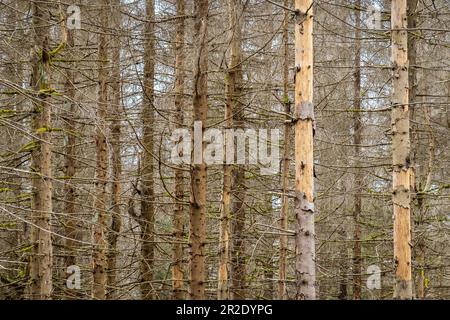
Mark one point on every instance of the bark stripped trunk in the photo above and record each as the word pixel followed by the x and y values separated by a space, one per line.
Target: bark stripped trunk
pixel 115 128
pixel 282 294
pixel 178 217
pixel 99 229
pixel 357 133
pixel 234 72
pixel 400 152
pixel 304 160
pixel 198 170
pixel 147 183
pixel 41 260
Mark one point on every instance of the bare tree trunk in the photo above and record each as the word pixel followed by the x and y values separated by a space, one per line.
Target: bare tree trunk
pixel 304 159
pixel 282 294
pixel 198 171
pixel 417 193
pixel 147 183
pixel 357 134
pixel 116 161
pixel 233 81
pixel 41 261
pixel 99 230
pixel 400 152
pixel 238 256
pixel 178 217
pixel 71 229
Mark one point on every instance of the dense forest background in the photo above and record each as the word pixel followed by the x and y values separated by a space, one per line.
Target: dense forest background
pixel 92 205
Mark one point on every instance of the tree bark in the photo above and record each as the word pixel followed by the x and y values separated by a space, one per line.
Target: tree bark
pixel 116 161
pixel 147 183
pixel 357 135
pixel 100 227
pixel 41 260
pixel 238 256
pixel 233 91
pixel 198 170
pixel 178 217
pixel 282 294
pixel 71 228
pixel 400 152
pixel 304 159
pixel 417 193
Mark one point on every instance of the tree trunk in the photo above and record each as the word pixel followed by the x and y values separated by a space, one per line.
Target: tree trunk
pixel 400 152
pixel 357 134
pixel 304 159
pixel 233 91
pixel 148 194
pixel 71 229
pixel 416 192
pixel 41 261
pixel 238 257
pixel 100 241
pixel 282 294
pixel 178 217
pixel 116 161
pixel 198 171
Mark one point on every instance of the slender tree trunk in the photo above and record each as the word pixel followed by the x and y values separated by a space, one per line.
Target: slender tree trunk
pixel 100 241
pixel 147 183
pixel 238 257
pixel 400 152
pixel 41 262
pixel 304 159
pixel 417 193
pixel 282 294
pixel 70 229
pixel 198 171
pixel 178 217
pixel 233 81
pixel 357 134
pixel 116 161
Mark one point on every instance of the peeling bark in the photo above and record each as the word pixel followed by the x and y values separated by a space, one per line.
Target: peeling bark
pixel 400 151
pixel 304 160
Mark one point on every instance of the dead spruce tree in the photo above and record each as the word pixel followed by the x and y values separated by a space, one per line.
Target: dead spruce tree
pixel 304 160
